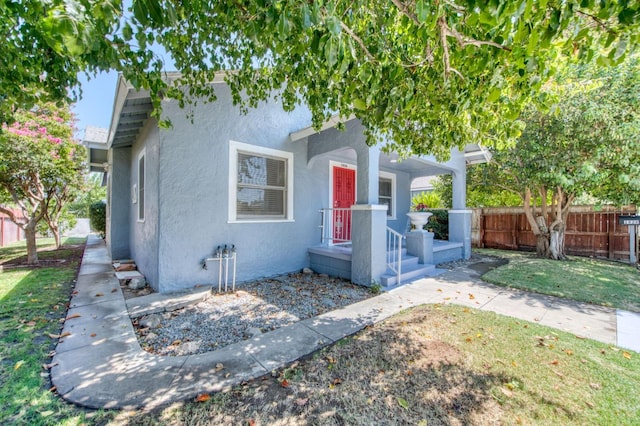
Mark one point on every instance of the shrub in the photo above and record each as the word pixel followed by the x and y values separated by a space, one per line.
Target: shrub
pixel 98 217
pixel 439 224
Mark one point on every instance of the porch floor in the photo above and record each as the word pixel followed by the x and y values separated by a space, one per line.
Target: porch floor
pixel 336 260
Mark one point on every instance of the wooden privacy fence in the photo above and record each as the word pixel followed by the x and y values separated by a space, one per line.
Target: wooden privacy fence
pixel 9 231
pixel 588 233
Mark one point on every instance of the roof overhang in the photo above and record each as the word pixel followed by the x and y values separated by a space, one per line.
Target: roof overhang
pixel 133 107
pixel 476 154
pixel 473 153
pixel 95 139
pixel 308 131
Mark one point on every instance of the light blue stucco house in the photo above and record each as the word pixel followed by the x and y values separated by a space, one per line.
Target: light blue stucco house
pixel 286 196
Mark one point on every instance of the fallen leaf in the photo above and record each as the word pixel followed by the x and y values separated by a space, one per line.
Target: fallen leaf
pixel 589 404
pixel 65 334
pixel 53 388
pixel 468 339
pixel 515 364
pixel 49 366
pixel 203 397
pixel 284 383
pixel 99 294
pixel 226 376
pixel 614 349
pixel 93 334
pixel 595 386
pixel 251 422
pixel 331 359
pixel 219 366
pixel 555 362
pixel 53 336
pixel 471 296
pixel 302 401
pixel 113 290
pixel 568 351
pixel 440 290
pixel 76 315
pixel 626 354
pixel 409 373
pixel 18 364
pixel 31 323
pixel 403 403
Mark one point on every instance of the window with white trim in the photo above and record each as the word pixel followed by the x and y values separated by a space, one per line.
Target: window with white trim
pixel 141 184
pixel 261 183
pixel 387 192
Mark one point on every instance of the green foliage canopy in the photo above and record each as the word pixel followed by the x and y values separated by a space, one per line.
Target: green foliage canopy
pixel 422 75
pixel 41 167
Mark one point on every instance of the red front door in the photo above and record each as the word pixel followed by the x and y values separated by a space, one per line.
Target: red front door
pixel 344 196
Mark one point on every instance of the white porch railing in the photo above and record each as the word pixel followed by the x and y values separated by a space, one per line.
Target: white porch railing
pixel 394 252
pixel 336 226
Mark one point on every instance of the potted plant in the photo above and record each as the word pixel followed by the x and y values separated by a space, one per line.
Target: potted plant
pixel 419 216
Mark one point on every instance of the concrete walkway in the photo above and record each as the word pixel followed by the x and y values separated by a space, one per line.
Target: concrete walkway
pixel 101 365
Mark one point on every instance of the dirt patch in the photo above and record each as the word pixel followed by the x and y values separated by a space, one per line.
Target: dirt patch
pixel 485 266
pixel 47 257
pixel 399 372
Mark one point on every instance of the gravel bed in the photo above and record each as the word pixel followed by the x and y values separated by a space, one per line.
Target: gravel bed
pixel 256 307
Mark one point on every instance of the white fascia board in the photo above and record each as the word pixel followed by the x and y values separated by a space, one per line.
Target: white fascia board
pixel 308 131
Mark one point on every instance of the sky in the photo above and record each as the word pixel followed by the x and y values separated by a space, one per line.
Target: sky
pixel 95 107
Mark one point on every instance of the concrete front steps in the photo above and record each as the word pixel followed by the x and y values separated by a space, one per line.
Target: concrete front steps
pixel 409 271
pixel 336 261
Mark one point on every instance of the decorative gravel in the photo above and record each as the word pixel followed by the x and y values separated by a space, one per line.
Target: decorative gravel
pixel 256 307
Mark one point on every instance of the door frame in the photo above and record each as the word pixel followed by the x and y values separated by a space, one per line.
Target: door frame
pixel 344 165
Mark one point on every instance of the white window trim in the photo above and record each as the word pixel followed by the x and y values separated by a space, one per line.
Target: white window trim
pixel 141 154
pixel 391 176
pixel 234 147
pixel 333 164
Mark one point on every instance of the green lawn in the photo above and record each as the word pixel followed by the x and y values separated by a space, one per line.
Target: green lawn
pixel 429 365
pixel 32 303
pixel 435 365
pixel 596 281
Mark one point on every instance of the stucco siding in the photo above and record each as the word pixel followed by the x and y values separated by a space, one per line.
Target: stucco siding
pixel 119 203
pixel 194 194
pixel 144 234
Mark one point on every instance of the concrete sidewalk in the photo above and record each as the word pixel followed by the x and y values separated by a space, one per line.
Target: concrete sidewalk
pixel 101 365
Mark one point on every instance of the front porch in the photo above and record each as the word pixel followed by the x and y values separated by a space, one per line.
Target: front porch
pixel 336 261
pixel 369 191
pixel 411 255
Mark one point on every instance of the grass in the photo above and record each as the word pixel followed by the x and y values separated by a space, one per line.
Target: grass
pixel 596 281
pixel 434 365
pixel 32 302
pixel 429 365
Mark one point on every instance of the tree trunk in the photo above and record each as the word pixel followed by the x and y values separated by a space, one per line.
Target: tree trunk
pixel 542 245
pixel 32 248
pixel 55 230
